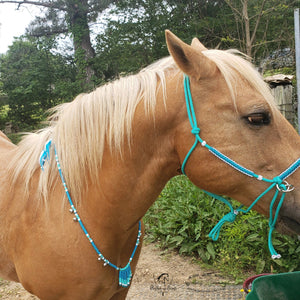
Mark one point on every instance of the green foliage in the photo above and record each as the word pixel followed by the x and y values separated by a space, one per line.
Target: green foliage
pixel 34 80
pixel 183 216
pixel 70 17
pixel 36 76
pixel 175 221
pixel 259 27
pixel 3 115
pixel 134 32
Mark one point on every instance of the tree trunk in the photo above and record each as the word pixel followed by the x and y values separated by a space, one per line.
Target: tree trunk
pixel 247 28
pixel 84 52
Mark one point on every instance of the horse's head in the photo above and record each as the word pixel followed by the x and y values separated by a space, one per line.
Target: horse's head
pixel 237 116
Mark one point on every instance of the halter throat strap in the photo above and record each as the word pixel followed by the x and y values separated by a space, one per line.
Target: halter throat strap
pixel 278 182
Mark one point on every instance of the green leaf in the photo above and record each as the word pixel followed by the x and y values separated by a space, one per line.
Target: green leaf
pixel 260 265
pixel 211 250
pixel 252 237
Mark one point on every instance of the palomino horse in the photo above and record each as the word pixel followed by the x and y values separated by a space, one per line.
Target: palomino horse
pixel 114 150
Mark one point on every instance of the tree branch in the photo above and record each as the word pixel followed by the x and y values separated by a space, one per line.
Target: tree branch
pixel 37 3
pixel 233 8
pixel 48 33
pixel 258 21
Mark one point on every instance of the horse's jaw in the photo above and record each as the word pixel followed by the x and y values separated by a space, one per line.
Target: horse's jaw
pixel 289 216
pixel 288 225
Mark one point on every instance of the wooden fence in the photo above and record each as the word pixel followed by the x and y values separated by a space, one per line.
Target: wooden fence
pixel 282 90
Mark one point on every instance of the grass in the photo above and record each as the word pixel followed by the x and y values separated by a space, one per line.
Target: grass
pixel 182 217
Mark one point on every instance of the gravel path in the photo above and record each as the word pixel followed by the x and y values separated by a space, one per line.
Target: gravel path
pixel 160 277
pixel 172 277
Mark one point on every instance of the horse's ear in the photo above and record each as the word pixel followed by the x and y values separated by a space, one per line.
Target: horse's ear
pixel 189 59
pixel 198 45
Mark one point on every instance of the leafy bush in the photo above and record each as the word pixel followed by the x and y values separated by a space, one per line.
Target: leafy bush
pixel 3 115
pixel 183 216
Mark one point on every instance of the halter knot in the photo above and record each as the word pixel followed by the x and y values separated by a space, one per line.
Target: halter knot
pixel 228 218
pixel 195 131
pixel 283 185
pixel 277 180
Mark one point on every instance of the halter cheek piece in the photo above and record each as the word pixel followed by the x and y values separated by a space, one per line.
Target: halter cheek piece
pixel 278 182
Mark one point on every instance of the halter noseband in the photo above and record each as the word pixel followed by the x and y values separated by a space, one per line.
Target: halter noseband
pixel 278 182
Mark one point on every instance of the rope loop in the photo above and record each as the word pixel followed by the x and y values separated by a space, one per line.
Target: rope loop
pixel 228 218
pixel 280 184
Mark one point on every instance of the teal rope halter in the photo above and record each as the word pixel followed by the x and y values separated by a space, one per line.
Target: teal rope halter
pixel 277 182
pixel 125 274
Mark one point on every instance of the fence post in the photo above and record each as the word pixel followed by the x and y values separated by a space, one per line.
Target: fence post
pixel 297 48
pixel 282 90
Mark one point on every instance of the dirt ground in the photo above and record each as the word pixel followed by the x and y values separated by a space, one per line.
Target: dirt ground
pixel 160 277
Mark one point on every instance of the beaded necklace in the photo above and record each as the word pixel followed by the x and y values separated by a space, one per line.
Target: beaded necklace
pixel 125 274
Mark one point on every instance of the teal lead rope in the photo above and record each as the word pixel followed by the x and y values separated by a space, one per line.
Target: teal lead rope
pixel 277 182
pixel 125 274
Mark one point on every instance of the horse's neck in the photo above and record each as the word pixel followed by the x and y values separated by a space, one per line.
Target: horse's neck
pixel 128 185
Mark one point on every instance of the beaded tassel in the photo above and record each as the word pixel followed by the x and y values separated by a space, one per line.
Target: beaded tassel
pixel 125 276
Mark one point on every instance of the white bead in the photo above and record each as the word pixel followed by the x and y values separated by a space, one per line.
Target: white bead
pixel 259 177
pixel 203 143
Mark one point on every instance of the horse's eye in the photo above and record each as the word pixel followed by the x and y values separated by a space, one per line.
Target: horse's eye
pixel 258 119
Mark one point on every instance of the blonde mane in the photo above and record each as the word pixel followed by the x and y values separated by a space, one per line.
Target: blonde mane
pixel 81 129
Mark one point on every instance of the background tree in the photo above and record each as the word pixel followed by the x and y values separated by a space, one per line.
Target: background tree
pixel 72 17
pixel 261 25
pixel 131 37
pixel 34 80
pixel 134 31
pixel 3 106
